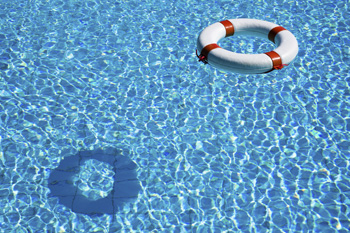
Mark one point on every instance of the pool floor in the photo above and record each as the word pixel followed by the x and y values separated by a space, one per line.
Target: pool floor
pixel 108 122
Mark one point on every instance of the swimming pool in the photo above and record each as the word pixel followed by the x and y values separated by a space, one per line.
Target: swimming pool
pixel 211 151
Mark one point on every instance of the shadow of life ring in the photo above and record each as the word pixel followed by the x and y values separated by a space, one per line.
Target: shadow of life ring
pixel 125 186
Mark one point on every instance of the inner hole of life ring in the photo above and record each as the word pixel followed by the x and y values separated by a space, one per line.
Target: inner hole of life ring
pixel 246 44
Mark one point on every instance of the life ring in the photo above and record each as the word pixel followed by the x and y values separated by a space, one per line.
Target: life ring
pixel 212 53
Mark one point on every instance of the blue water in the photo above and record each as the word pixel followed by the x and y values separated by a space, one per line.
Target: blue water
pixel 212 151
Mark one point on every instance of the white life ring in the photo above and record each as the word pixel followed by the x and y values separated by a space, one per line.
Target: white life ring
pixel 212 53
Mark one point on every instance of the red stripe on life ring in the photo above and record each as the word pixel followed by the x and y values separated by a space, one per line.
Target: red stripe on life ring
pixel 230 30
pixel 274 31
pixel 205 51
pixel 276 59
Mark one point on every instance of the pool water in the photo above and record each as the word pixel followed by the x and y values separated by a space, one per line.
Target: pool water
pixel 212 151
